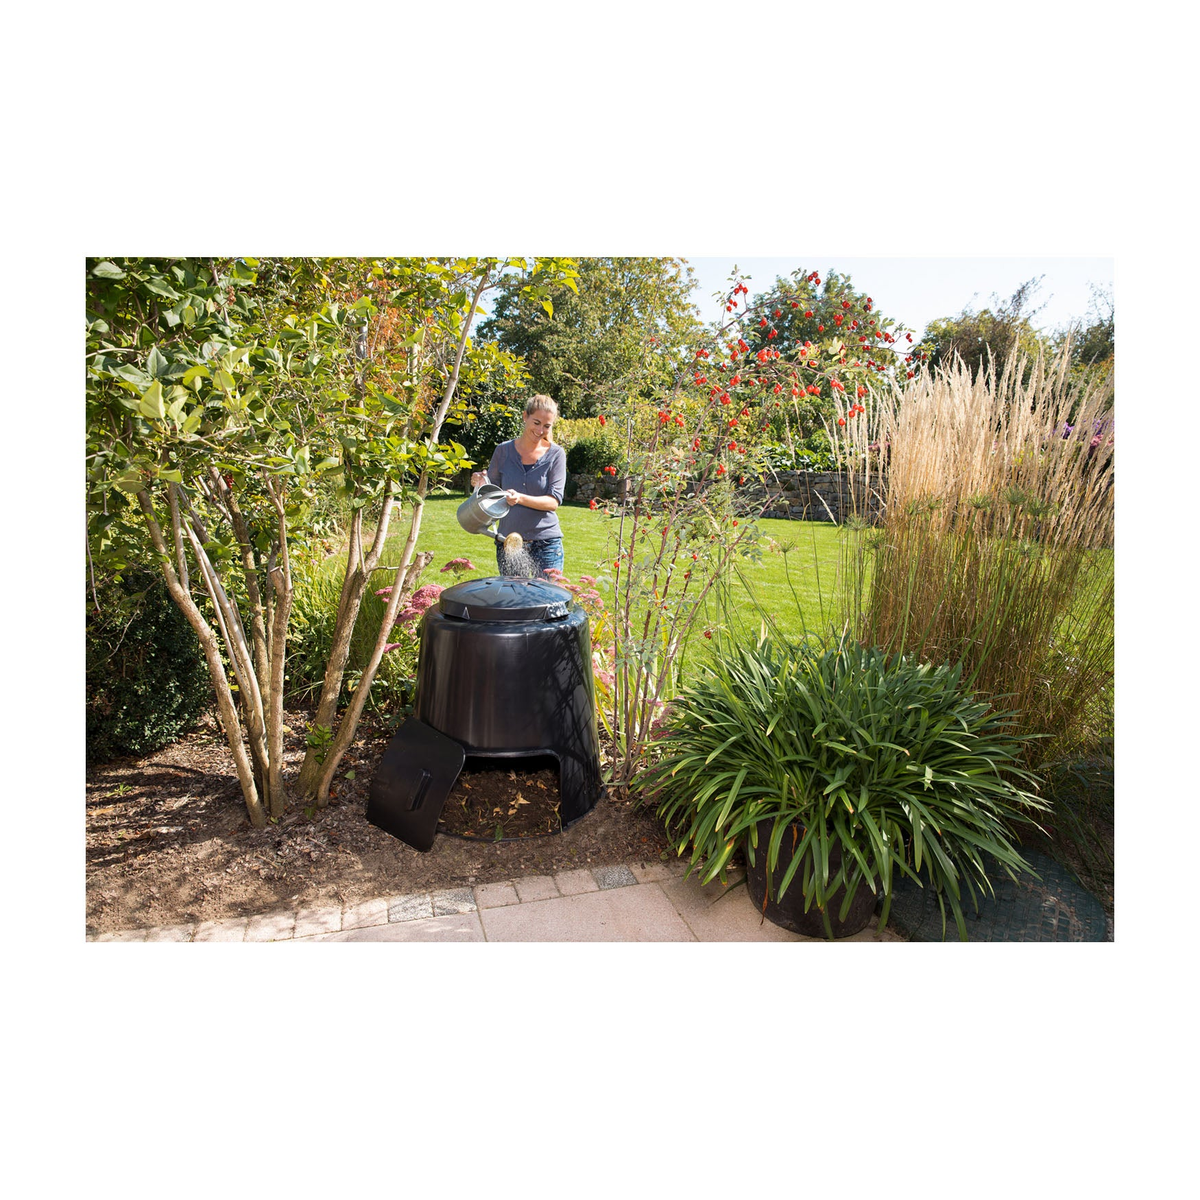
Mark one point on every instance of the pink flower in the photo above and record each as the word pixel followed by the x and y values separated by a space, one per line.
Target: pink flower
pixel 458 564
pixel 420 600
pixel 587 581
pixel 384 592
pixel 392 646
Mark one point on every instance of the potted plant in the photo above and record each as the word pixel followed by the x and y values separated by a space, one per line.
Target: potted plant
pixel 837 771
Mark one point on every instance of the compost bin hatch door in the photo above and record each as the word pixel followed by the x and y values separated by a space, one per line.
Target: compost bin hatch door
pixel 412 781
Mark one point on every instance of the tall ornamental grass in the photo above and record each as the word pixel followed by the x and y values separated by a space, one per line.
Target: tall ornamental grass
pixel 993 545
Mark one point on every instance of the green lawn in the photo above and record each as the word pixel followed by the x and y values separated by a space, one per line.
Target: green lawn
pixel 589 539
pixel 790 587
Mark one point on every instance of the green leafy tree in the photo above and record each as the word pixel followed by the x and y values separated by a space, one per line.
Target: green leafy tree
pixel 223 397
pixel 1002 334
pixel 1092 341
pixel 588 334
pixel 819 325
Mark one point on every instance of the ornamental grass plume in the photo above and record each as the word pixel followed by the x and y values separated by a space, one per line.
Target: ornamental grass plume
pixel 992 539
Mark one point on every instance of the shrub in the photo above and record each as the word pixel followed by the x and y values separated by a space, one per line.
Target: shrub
pixel 483 428
pixel 814 453
pixel 590 454
pixel 888 759
pixel 147 681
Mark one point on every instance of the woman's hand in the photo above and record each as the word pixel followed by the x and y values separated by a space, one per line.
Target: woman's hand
pixel 478 478
pixel 513 497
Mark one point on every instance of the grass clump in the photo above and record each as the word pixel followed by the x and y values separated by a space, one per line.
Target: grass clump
pixel 995 543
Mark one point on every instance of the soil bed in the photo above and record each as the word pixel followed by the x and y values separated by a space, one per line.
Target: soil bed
pixel 169 841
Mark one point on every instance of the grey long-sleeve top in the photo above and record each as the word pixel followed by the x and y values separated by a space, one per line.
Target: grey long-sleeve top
pixel 546 477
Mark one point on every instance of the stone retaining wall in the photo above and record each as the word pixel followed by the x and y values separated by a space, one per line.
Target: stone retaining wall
pixel 790 495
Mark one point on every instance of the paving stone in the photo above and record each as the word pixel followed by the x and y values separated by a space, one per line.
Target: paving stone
pixel 496 895
pixel 123 935
pixel 613 877
pixel 409 908
pixel 170 933
pixel 535 887
pixel 652 872
pixel 452 901
pixel 572 883
pixel 270 927
pixel 233 930
pixel 317 920
pixel 717 914
pixel 366 914
pixel 460 927
pixel 625 914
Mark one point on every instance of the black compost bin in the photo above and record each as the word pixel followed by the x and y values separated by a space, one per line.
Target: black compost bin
pixel 505 671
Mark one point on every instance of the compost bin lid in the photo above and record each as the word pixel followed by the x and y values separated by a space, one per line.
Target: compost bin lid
pixel 505 598
pixel 412 781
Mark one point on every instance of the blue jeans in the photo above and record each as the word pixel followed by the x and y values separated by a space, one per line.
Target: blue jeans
pixel 542 555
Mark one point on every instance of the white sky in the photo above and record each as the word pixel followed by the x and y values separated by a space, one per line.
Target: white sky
pixel 915 291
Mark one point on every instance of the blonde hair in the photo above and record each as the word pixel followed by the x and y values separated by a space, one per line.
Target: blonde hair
pixel 540 403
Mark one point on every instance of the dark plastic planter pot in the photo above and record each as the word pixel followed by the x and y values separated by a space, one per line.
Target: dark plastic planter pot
pixel 789 912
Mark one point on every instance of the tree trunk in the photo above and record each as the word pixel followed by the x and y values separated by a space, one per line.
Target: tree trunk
pixel 403 586
pixel 281 582
pixel 216 669
pixel 223 494
pixel 354 587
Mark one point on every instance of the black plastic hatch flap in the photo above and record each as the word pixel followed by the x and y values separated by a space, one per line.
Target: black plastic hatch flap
pixel 412 781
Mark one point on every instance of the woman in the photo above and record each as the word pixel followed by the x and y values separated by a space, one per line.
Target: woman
pixel 532 470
